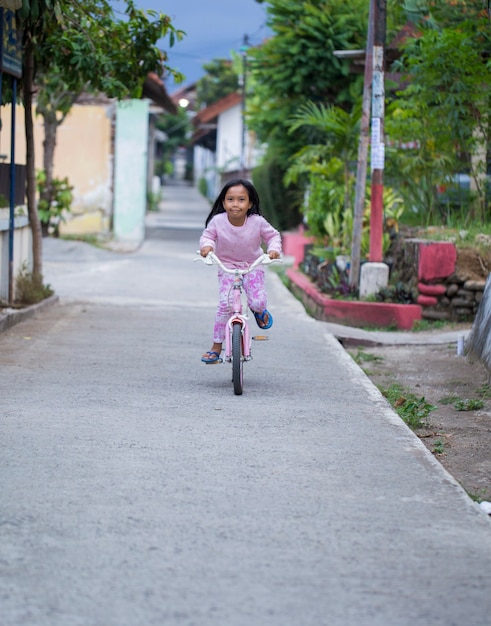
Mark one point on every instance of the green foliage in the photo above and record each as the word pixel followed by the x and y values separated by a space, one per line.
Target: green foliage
pixel 438 447
pixel 94 50
pixel 469 404
pixel 279 203
pixel 398 293
pixel 324 166
pixel 178 129
pixel 484 391
pixel 85 47
pixel 203 187
pixel 53 211
pixel 422 325
pixel 29 288
pixel 365 357
pixel 466 404
pixel 153 200
pixel 413 410
pixel 220 80
pixel 298 62
pixel 333 137
pixel 440 121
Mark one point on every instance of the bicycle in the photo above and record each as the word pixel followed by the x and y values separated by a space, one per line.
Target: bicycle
pixel 237 337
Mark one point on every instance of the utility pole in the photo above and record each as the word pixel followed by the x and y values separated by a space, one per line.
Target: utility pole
pixel 375 274
pixel 378 144
pixel 361 170
pixel 243 50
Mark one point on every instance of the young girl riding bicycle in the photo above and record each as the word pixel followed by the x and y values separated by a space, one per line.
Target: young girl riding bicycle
pixel 235 231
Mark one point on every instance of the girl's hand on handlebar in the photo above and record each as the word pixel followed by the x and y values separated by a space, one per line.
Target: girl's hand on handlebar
pixel 205 250
pixel 273 254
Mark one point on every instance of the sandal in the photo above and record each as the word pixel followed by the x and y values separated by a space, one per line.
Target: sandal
pixel 213 357
pixel 261 319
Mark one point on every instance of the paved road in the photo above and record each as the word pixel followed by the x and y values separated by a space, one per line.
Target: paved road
pixel 137 490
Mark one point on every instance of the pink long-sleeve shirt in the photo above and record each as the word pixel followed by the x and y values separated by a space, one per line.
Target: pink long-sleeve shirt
pixel 239 246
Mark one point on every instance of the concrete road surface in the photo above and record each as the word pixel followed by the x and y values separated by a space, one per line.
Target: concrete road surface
pixel 138 490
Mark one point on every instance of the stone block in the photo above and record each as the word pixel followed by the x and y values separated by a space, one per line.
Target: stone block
pixel 373 278
pixel 467 295
pixel 431 314
pixel 461 302
pixel 475 285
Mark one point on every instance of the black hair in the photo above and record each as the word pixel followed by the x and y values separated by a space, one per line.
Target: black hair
pixel 253 197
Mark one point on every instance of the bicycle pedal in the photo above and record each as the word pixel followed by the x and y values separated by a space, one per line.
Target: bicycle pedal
pixel 260 338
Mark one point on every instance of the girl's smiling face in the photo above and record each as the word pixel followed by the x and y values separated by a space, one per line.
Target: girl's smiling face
pixel 236 204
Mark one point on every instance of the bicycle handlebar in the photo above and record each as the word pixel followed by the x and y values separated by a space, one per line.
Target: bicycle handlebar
pixel 212 259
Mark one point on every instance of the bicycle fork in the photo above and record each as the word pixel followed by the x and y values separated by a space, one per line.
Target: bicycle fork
pixel 238 318
pixel 245 334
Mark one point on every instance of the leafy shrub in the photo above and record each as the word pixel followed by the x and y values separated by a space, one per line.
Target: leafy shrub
pixel 398 293
pixel 30 289
pixel 53 212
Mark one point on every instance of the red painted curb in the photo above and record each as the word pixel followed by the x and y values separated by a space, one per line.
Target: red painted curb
pixel 353 312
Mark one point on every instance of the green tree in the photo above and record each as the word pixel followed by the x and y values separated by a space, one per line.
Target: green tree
pixel 73 46
pixel 326 162
pixel 177 129
pixel 337 138
pixel 298 64
pixel 443 112
pixel 220 80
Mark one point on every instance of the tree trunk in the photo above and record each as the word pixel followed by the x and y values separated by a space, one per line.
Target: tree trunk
pixel 37 238
pixel 49 145
pixel 361 170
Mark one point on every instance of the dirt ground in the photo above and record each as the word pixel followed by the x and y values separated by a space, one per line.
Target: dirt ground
pixel 460 439
pixel 457 433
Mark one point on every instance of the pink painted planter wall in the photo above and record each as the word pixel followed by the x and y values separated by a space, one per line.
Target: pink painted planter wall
pixel 354 312
pixel 294 245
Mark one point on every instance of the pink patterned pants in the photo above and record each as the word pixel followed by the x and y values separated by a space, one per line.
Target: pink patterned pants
pixel 254 287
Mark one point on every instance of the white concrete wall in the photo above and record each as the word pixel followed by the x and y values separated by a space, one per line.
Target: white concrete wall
pixel 22 252
pixel 229 139
pixel 204 166
pixel 130 171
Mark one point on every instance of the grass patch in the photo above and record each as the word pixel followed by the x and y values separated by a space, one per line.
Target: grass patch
pixel 484 391
pixel 413 410
pixel 469 404
pixel 438 446
pixel 29 289
pixel 480 496
pixel 93 240
pixel 364 357
pixel 448 400
pixel 420 325
pixel 465 404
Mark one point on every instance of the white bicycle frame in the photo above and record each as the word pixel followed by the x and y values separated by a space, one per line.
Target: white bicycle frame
pixel 237 316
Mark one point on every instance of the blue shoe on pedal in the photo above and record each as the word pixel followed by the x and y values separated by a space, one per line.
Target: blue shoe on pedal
pixel 264 320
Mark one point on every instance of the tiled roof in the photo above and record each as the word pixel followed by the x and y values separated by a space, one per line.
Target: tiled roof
pixel 154 89
pixel 214 110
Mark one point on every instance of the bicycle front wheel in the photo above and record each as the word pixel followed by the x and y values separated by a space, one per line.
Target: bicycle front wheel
pixel 237 360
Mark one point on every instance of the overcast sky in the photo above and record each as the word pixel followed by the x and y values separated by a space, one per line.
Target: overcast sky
pixel 213 27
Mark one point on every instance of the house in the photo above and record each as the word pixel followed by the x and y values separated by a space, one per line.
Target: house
pixel 105 148
pixel 224 147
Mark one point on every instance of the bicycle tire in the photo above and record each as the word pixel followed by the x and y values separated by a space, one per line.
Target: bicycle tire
pixel 237 360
